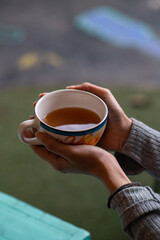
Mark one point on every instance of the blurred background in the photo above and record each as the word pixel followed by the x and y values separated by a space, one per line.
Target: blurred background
pixel 47 45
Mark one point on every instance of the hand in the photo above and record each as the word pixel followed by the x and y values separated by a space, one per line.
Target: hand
pixel 118 125
pixel 80 159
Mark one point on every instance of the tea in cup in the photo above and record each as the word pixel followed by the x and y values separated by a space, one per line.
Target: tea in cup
pixel 70 116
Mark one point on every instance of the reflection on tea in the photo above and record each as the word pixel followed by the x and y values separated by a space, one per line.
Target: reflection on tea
pixel 72 119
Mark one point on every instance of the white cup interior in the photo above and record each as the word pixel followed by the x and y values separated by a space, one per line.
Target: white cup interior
pixel 70 98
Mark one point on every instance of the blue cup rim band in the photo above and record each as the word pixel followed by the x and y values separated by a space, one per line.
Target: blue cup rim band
pixel 67 133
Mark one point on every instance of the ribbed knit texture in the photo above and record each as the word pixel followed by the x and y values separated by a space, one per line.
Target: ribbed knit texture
pixel 143 146
pixel 135 206
pixel 128 185
pixel 139 207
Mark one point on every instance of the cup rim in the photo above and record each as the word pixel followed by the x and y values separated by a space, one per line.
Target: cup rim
pixel 73 133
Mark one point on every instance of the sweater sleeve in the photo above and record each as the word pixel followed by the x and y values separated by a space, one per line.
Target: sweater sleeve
pixel 143 146
pixel 129 166
pixel 139 211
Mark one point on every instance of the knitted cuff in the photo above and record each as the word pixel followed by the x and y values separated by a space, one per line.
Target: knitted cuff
pixel 133 184
pixel 132 203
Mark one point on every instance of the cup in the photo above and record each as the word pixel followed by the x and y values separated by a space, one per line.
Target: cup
pixel 66 98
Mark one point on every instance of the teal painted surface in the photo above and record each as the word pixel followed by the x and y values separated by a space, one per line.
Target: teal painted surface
pixel 21 221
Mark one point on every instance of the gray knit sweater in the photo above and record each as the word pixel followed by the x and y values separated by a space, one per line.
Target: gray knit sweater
pixel 137 206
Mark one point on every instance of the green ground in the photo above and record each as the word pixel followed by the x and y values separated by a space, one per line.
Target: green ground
pixel 78 199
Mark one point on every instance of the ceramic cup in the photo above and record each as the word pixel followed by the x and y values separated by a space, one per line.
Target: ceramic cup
pixel 62 99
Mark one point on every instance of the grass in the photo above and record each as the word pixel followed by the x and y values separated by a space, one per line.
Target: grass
pixel 81 200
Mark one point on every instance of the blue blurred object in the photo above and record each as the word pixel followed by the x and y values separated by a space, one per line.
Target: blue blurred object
pixel 10 34
pixel 111 25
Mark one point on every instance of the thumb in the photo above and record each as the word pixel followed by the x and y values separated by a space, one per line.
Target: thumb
pixel 99 91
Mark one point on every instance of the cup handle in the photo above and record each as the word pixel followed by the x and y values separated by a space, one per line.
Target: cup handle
pixel 32 123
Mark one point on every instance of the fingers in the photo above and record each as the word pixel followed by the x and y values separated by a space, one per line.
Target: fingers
pixel 42 152
pixel 103 93
pixel 54 146
pixel 40 96
pixel 28 133
pixel 34 130
pixel 99 91
pixel 50 157
pixel 57 154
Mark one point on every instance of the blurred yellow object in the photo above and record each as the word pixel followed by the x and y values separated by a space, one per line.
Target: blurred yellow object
pixel 53 59
pixel 28 60
pixel 33 59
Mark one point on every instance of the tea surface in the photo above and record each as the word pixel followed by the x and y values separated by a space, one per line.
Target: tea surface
pixel 72 119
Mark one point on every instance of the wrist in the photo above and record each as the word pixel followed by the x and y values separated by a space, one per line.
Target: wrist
pixel 111 174
pixel 116 181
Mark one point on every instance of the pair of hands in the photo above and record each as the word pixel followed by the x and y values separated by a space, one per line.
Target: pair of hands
pixel 87 159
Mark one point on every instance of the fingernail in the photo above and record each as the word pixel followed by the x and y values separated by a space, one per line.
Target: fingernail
pixel 42 94
pixel 34 104
pixel 70 86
